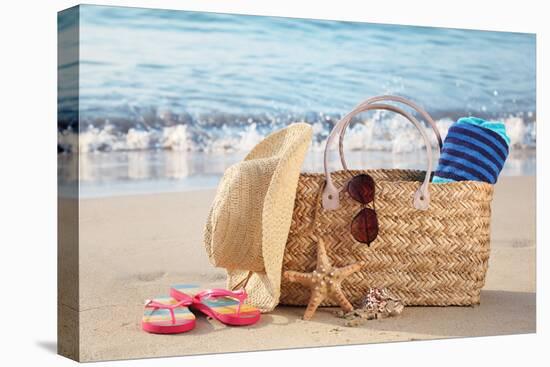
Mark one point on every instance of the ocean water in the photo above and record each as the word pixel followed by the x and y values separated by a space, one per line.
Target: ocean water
pixel 160 87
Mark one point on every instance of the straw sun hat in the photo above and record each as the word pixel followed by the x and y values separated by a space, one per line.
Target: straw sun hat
pixel 248 224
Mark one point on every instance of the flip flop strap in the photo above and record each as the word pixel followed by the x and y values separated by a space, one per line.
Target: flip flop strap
pixel 239 295
pixel 157 305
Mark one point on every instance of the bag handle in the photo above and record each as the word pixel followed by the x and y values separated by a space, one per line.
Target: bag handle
pixel 421 201
pixel 405 101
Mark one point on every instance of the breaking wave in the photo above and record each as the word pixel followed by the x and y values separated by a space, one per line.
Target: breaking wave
pixel 394 135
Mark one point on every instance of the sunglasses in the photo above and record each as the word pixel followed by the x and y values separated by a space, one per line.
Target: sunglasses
pixel 364 226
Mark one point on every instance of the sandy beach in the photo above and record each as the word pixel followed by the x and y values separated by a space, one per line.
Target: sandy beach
pixel 134 247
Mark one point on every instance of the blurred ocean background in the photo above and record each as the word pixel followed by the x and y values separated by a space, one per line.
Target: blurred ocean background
pixel 168 99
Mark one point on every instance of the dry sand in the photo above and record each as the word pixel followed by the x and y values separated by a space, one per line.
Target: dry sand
pixel 133 248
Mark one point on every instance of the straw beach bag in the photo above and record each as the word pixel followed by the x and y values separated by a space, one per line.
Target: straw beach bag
pixel 433 240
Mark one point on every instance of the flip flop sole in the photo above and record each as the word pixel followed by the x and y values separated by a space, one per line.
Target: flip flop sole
pixel 229 315
pixel 223 309
pixel 159 321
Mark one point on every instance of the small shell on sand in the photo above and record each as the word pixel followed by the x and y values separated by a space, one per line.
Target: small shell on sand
pixel 377 304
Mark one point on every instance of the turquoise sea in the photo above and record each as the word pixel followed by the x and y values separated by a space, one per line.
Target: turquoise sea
pixel 168 99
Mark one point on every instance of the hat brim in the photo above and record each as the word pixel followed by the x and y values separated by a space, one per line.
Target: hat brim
pixel 278 207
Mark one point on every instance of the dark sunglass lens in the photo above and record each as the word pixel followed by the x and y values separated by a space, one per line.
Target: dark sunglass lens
pixel 361 188
pixel 364 227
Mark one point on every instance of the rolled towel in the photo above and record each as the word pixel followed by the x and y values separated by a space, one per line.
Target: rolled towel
pixel 474 149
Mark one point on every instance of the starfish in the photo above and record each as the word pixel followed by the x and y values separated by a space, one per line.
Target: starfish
pixel 325 281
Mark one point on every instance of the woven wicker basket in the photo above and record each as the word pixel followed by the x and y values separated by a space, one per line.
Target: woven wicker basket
pixel 437 257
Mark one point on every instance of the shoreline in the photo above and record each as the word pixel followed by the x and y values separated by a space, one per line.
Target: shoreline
pixel 155 187
pixel 126 173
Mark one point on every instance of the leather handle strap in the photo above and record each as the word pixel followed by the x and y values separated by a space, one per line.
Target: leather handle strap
pixel 331 194
pixel 386 98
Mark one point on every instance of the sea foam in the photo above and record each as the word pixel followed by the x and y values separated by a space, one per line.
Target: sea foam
pixel 394 135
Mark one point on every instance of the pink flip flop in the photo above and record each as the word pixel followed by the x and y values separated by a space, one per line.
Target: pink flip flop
pixel 166 315
pixel 221 304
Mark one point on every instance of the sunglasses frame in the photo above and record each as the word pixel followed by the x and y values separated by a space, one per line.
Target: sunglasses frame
pixel 356 194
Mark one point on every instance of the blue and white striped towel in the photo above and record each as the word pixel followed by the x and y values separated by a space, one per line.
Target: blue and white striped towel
pixel 474 149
